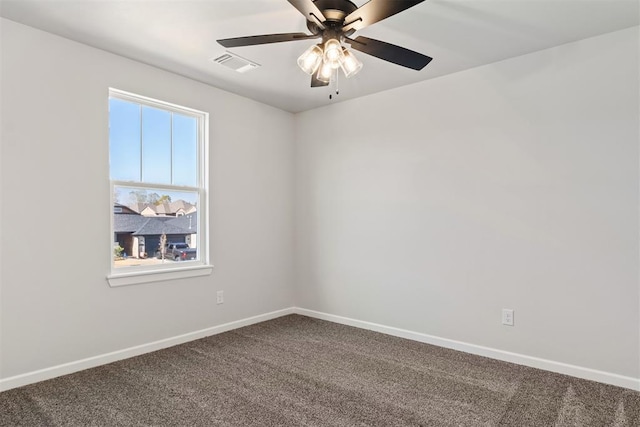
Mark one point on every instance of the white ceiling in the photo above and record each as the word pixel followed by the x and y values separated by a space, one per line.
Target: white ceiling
pixel 180 36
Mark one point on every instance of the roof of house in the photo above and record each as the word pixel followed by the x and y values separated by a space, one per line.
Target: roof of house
pixel 163 208
pixel 187 222
pixel 140 225
pixel 154 226
pixel 137 207
pixel 123 209
pixel 180 204
pixel 126 223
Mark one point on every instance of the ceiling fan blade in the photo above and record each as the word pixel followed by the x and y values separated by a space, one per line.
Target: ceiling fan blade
pixel 390 52
pixel 317 83
pixel 309 10
pixel 265 39
pixel 374 11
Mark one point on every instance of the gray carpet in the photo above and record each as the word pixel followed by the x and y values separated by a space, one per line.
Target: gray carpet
pixel 298 371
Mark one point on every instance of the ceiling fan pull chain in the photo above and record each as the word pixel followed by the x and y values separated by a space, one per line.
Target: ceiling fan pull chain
pixel 337 83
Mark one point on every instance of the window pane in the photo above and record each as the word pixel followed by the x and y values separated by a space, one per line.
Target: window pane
pixel 156 145
pixel 142 216
pixel 155 173
pixel 185 137
pixel 124 140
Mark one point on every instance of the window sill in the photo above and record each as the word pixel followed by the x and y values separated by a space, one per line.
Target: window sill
pixel 138 277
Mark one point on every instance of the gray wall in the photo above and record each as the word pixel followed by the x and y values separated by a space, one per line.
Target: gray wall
pixel 58 308
pixel 514 185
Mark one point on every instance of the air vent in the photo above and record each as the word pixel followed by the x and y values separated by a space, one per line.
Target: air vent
pixel 235 62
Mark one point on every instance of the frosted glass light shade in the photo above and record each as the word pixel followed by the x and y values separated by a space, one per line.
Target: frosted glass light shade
pixel 324 72
pixel 310 60
pixel 351 65
pixel 333 53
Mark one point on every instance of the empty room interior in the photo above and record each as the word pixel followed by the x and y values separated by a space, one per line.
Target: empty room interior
pixel 442 228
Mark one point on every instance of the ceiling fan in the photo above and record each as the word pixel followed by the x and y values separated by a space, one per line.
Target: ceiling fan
pixel 335 21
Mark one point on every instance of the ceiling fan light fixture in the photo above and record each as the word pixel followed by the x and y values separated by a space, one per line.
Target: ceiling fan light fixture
pixel 333 53
pixel 325 71
pixel 310 60
pixel 351 65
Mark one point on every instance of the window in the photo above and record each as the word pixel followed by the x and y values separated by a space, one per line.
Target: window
pixel 158 173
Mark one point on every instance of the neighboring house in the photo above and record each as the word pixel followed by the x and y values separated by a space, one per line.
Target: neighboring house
pixel 140 235
pixel 124 225
pixel 188 222
pixel 177 208
pixel 122 209
pixel 181 208
pixel 149 210
pixel 138 207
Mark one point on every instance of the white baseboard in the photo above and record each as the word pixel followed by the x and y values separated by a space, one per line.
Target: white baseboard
pixel 520 359
pixel 103 359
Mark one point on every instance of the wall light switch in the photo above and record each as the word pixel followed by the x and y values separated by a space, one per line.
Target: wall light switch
pixel 220 297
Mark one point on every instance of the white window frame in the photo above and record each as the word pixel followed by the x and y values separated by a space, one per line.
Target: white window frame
pixel 153 273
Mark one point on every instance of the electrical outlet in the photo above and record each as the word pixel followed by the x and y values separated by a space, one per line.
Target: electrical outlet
pixel 507 316
pixel 220 297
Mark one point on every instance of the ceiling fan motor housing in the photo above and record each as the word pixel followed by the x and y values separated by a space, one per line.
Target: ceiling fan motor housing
pixel 334 12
